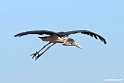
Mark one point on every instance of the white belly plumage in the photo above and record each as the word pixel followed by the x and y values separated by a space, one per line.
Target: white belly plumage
pixel 54 39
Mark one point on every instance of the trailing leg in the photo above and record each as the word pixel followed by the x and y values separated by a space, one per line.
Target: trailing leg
pixel 43 51
pixel 37 52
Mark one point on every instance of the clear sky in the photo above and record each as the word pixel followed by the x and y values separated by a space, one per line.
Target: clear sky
pixel 61 64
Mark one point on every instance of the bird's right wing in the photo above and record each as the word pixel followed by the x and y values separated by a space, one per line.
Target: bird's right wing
pixel 39 32
pixel 92 34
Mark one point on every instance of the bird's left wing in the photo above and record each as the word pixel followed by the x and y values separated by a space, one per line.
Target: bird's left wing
pixel 39 32
pixel 92 34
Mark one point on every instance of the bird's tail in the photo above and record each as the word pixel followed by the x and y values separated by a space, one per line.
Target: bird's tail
pixel 42 37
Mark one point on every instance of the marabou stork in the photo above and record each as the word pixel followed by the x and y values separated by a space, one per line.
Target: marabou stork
pixel 58 37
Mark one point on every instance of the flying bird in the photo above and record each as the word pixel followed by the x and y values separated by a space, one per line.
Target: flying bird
pixel 58 37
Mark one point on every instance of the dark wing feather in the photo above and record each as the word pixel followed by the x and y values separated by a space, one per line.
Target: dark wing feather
pixel 92 34
pixel 39 32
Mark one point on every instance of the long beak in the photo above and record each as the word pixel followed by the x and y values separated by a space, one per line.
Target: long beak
pixel 77 45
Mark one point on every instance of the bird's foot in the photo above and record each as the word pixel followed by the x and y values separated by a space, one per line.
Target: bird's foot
pixel 36 57
pixel 34 54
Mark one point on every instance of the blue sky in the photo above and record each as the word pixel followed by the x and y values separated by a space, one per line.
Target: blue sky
pixel 61 64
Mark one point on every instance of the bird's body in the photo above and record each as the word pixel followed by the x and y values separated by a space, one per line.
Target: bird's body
pixel 53 39
pixel 56 39
pixel 59 37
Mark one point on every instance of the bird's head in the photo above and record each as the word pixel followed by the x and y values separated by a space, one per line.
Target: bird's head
pixel 71 42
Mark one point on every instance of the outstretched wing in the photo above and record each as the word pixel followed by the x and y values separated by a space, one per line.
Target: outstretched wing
pixel 39 32
pixel 92 34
